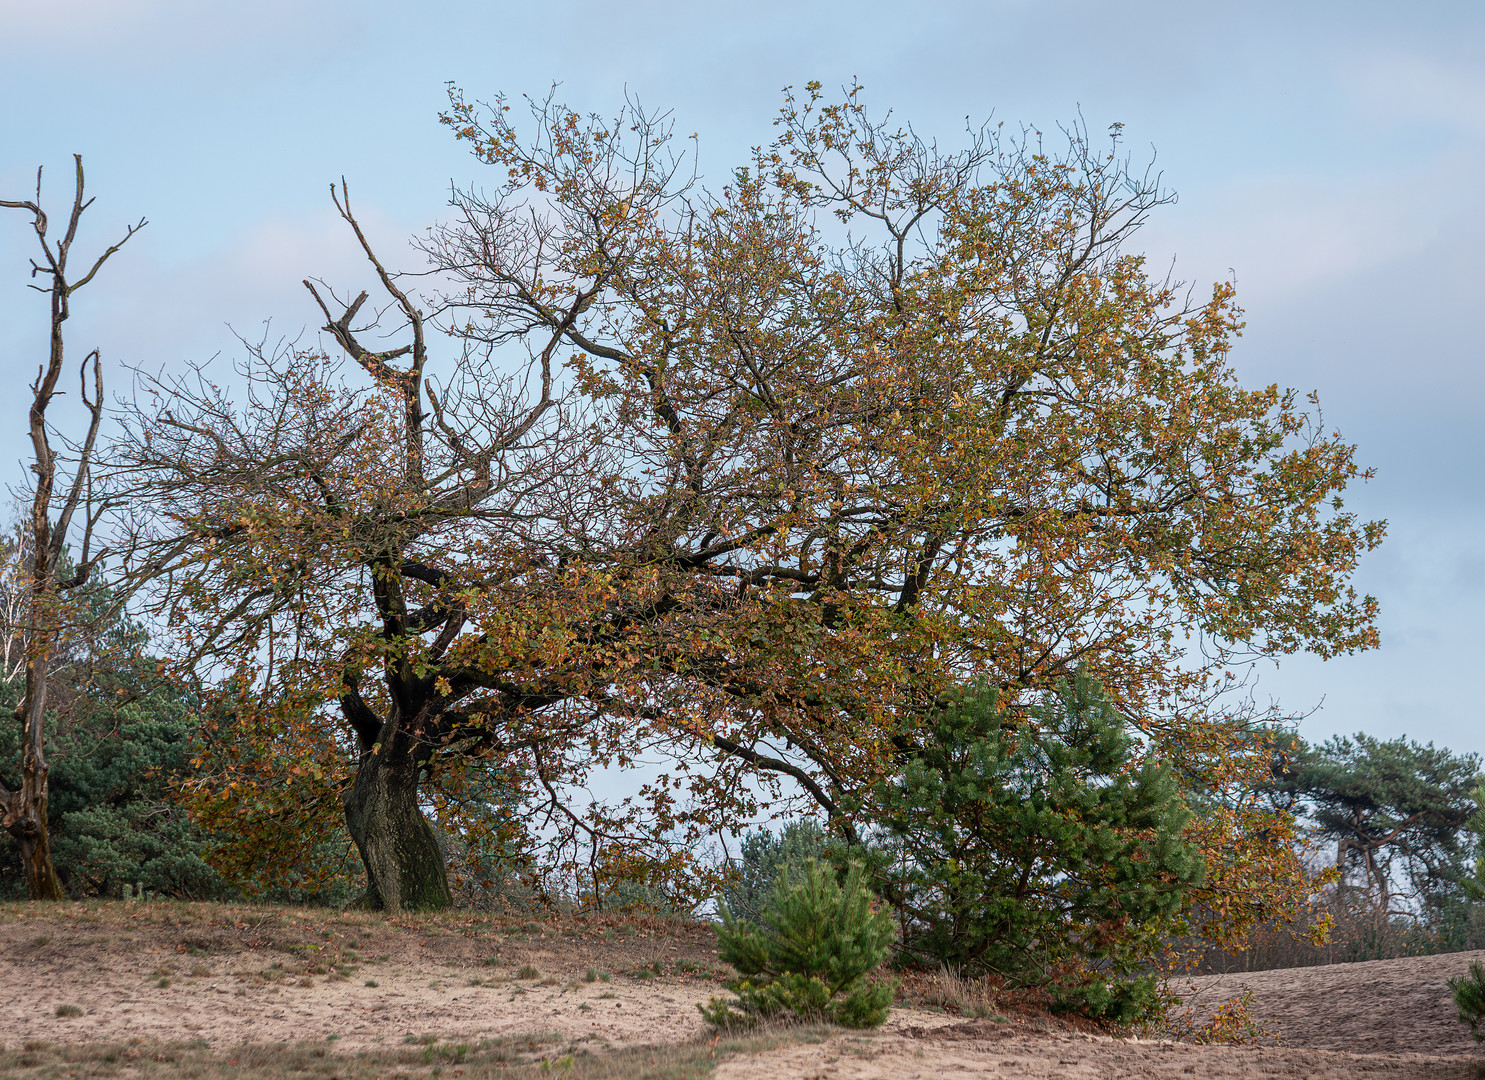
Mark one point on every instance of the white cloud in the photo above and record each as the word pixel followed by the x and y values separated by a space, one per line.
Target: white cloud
pixel 1287 236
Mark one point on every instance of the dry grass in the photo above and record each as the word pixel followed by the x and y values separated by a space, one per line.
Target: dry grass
pixel 974 999
pixel 523 926
pixel 511 1058
pixel 1354 937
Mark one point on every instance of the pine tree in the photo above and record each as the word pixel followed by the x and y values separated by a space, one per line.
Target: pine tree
pixel 764 855
pixel 810 957
pixel 1400 814
pixel 1043 850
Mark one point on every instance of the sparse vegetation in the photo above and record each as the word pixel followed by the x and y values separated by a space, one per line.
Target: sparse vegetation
pixel 975 999
pixel 1231 1023
pixel 509 1058
pixel 977 1007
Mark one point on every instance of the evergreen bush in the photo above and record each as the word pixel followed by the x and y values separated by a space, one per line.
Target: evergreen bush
pixel 1469 998
pixel 1045 850
pixel 809 959
pixel 112 815
pixel 764 855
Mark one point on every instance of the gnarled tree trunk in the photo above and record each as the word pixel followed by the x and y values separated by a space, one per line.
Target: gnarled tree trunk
pixel 24 810
pixel 31 836
pixel 404 866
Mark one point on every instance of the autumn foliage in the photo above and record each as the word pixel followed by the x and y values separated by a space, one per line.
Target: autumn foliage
pixel 735 484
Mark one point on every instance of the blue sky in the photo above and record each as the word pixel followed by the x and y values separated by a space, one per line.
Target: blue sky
pixel 1328 155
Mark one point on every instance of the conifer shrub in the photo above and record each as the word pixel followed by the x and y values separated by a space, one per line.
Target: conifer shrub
pixel 810 956
pixel 1045 849
pixel 763 855
pixel 1469 998
pixel 114 820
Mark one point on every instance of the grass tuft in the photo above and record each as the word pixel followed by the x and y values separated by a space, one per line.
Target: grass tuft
pixel 512 1057
pixel 971 998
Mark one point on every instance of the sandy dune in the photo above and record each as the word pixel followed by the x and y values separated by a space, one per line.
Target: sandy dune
pixel 235 976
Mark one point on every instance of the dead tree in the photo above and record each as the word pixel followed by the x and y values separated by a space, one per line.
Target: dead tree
pixel 23 812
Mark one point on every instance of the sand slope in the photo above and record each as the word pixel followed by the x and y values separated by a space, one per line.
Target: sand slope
pixel 234 976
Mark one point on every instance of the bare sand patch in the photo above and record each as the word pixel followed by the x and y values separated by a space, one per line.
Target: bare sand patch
pixel 981 1048
pixel 1374 1007
pixel 1391 1018
pixel 289 975
pixel 408 1000
pixel 240 976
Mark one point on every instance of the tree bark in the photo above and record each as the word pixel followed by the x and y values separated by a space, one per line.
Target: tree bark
pixel 25 809
pixel 29 806
pixel 25 819
pixel 404 866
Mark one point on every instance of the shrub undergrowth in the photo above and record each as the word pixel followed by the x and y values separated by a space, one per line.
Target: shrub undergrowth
pixel 811 955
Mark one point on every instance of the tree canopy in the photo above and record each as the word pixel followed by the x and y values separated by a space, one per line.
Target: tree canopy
pixel 1395 810
pixel 736 480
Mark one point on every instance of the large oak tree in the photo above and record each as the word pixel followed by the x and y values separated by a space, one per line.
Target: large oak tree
pixel 737 479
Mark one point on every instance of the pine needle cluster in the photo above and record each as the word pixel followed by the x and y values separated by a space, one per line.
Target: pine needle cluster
pixel 1469 997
